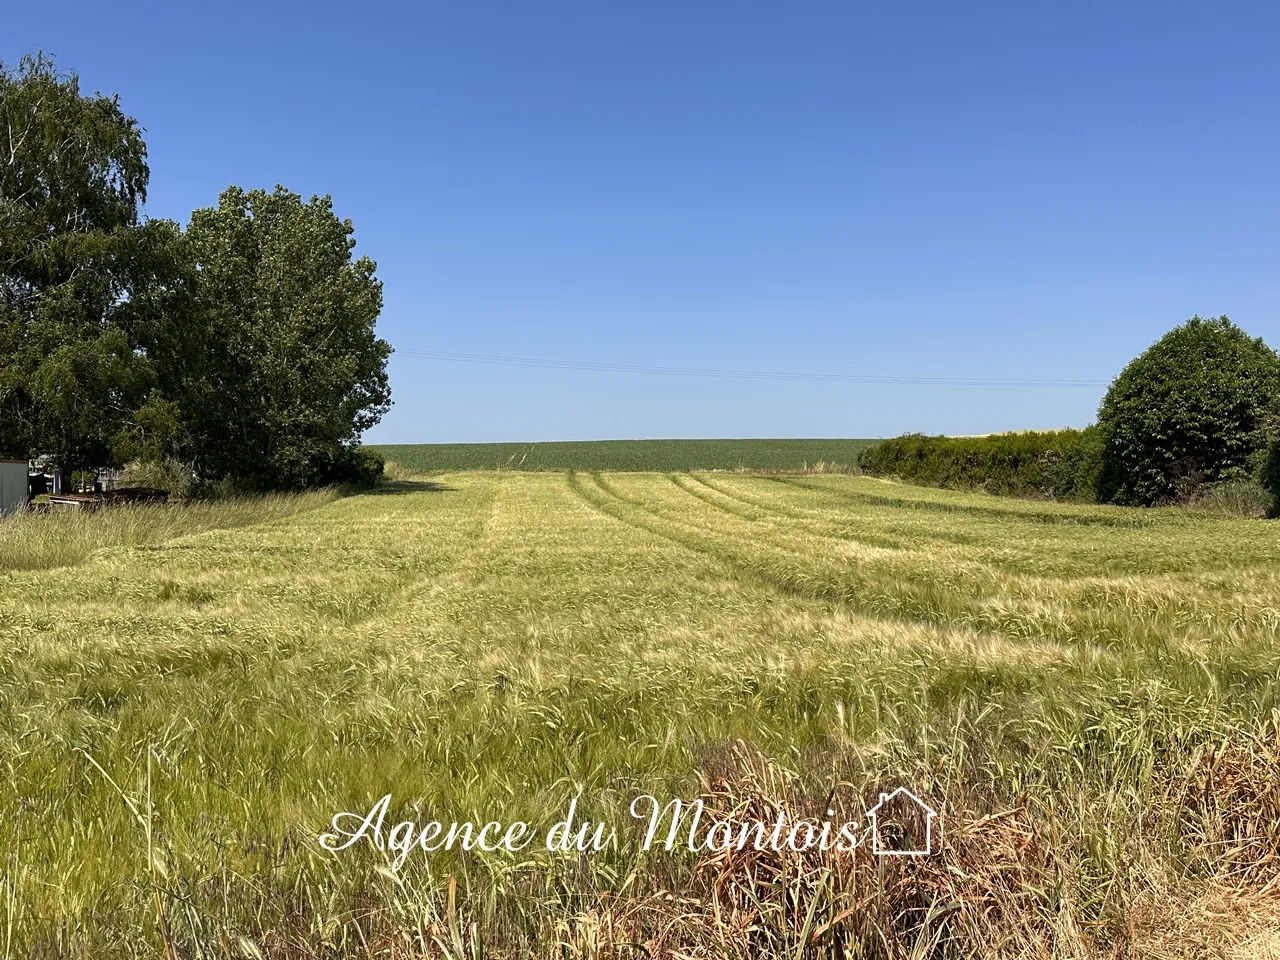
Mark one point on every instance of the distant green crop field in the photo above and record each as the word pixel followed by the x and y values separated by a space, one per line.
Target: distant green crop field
pixel 626 455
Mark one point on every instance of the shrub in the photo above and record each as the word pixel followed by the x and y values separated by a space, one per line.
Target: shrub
pixel 1196 408
pixel 367 468
pixel 1235 498
pixel 1056 464
pixel 168 474
pixel 354 466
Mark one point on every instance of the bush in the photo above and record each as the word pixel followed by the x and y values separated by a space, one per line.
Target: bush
pixel 1195 409
pixel 1054 464
pixel 355 466
pixel 1235 498
pixel 167 474
pixel 349 466
pixel 367 468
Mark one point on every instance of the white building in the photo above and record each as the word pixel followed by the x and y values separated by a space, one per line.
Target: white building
pixel 13 485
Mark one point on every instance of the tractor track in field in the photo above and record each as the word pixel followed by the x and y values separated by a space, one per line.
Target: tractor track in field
pixel 822 515
pixel 994 513
pixel 1014 565
pixel 773 519
pixel 759 516
pixel 946 607
pixel 802 515
pixel 775 524
pixel 774 509
pixel 818 524
pixel 435 582
pixel 791 581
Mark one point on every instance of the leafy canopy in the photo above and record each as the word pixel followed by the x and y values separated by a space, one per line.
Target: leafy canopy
pixel 80 273
pixel 244 346
pixel 290 370
pixel 1196 407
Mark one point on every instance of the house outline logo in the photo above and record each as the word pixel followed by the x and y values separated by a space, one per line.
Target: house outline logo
pixel 873 814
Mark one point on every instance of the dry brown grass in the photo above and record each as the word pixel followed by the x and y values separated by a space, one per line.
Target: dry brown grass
pixel 1000 884
pixel 1215 922
pixel 1232 804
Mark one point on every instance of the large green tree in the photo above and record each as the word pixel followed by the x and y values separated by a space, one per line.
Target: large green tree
pixel 1197 407
pixel 279 370
pixel 83 279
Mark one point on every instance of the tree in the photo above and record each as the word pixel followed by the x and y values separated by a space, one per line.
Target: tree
pixel 1196 407
pixel 80 274
pixel 245 345
pixel 281 370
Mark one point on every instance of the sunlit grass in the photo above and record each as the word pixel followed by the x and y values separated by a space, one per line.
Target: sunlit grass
pixel 64 536
pixel 184 716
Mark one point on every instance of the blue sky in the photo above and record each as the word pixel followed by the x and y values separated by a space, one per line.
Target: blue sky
pixel 987 190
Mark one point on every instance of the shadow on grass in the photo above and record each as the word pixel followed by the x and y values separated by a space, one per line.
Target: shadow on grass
pixel 395 488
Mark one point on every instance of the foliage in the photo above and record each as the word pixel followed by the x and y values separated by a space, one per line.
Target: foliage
pixel 1055 464
pixel 1079 685
pixel 362 467
pixel 64 537
pixel 244 346
pixel 638 455
pixel 168 474
pixel 1196 407
pixel 1234 498
pixel 357 467
pixel 81 276
pixel 290 371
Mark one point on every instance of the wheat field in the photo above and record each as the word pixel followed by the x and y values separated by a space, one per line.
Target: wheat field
pixel 1087 694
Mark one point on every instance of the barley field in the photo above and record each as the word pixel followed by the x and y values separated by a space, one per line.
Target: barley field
pixel 1087 695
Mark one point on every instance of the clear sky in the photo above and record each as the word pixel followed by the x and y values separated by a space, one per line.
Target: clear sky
pixel 1012 190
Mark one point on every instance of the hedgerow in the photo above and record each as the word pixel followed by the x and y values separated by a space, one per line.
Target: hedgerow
pixel 1054 464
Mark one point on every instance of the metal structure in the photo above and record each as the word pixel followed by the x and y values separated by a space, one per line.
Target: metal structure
pixel 13 485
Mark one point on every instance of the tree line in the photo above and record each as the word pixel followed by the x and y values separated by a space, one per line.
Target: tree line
pixel 241 346
pixel 1194 418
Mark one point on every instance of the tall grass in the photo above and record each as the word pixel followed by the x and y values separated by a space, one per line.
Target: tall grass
pixel 1085 693
pixel 62 537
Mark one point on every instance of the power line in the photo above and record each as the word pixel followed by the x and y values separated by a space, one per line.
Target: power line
pixel 739 374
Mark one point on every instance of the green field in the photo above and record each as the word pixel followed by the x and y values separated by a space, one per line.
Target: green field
pixel 627 455
pixel 1086 694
